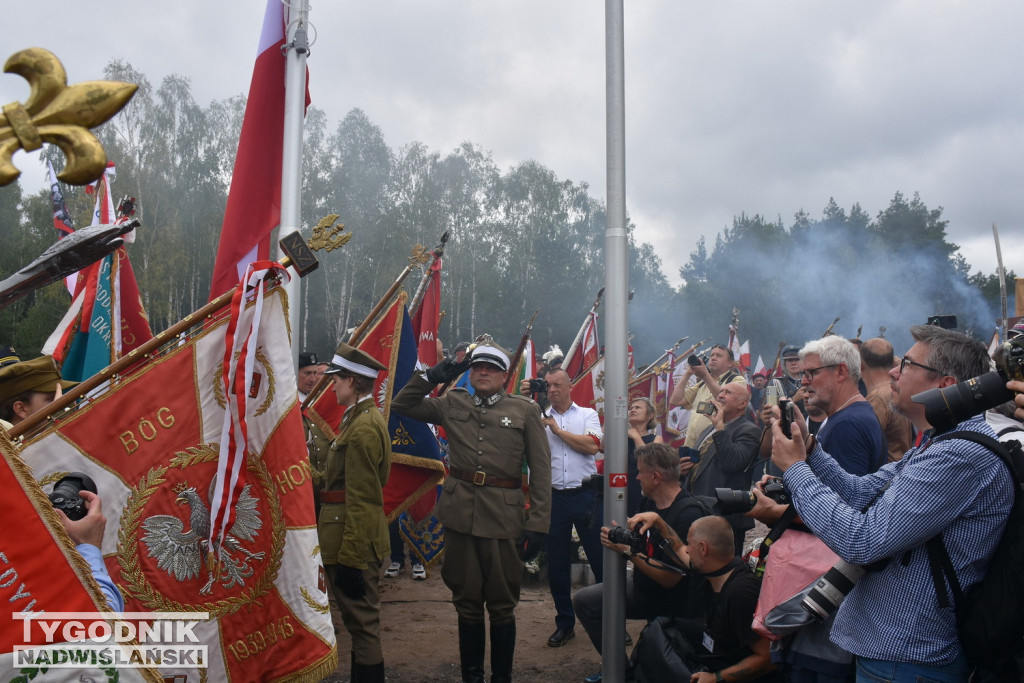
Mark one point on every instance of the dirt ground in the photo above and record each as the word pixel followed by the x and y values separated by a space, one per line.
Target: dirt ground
pixel 420 633
pixel 421 637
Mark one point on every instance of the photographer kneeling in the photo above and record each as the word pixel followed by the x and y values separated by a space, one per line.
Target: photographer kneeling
pixel 654 589
pixel 720 637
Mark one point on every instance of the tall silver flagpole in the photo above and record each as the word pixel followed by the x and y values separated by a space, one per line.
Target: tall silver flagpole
pixel 297 49
pixel 616 327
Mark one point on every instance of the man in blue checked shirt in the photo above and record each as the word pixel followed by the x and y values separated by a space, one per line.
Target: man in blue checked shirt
pixel 891 619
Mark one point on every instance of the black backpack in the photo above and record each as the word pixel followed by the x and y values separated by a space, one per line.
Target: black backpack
pixel 990 615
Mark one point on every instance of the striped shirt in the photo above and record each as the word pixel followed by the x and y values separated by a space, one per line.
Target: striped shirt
pixel 955 487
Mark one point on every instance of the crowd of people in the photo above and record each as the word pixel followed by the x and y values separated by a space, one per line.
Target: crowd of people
pixel 862 469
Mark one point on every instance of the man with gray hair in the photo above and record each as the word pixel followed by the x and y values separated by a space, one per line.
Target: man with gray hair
pixel 851 432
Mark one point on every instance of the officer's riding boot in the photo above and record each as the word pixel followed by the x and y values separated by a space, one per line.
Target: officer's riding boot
pixel 472 639
pixel 368 673
pixel 354 669
pixel 503 650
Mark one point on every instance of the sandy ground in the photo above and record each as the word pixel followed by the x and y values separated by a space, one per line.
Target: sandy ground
pixel 421 638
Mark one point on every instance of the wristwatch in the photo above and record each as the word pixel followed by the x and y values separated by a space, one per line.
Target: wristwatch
pixel 627 554
pixel 718 677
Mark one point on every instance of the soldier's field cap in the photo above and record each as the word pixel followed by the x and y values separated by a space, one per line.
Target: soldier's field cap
pixel 352 360
pixel 307 358
pixel 490 353
pixel 1012 333
pixel 39 374
pixel 790 352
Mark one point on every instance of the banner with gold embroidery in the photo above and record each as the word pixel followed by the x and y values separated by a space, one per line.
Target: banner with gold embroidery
pixel 151 445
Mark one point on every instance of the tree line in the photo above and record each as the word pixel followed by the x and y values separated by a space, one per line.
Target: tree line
pixel 521 239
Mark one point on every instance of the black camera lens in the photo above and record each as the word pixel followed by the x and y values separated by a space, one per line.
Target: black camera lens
pixel 732 500
pixel 946 407
pixel 626 536
pixel 66 494
pixel 694 360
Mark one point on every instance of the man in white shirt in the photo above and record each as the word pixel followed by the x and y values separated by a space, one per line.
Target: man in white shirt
pixel 574 434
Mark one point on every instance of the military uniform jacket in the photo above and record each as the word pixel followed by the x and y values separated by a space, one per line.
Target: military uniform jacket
pixel 355 532
pixel 493 436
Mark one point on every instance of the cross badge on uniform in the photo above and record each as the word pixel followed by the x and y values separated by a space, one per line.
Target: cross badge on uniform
pixel 505 422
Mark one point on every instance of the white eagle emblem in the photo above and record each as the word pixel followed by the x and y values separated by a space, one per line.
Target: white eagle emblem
pixel 183 554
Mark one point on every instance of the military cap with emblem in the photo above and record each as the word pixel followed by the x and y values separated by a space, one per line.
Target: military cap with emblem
pixel 39 374
pixel 489 352
pixel 353 361
pixel 8 356
pixel 790 352
pixel 307 358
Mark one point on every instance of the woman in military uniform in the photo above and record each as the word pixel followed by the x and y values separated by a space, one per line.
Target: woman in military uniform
pixel 352 529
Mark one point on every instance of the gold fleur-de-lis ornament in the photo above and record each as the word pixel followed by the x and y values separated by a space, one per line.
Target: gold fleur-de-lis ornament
pixel 59 114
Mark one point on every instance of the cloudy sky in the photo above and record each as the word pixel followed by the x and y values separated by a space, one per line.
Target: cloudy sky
pixel 732 107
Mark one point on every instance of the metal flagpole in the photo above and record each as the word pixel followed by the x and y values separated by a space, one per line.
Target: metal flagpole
pixel 297 50
pixel 616 327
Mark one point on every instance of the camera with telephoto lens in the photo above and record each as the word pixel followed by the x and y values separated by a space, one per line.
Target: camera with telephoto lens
pixel 538 386
pixel 694 360
pixel 595 482
pixel 626 536
pixel 831 589
pixel 946 407
pixel 66 494
pixel 731 501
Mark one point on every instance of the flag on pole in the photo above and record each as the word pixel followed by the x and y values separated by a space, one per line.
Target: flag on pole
pixel 587 353
pixel 424 324
pixel 588 389
pixel 744 357
pixel 62 222
pixel 152 445
pixel 527 368
pixel 254 199
pixel 106 319
pixel 760 365
pixel 993 343
pixel 734 342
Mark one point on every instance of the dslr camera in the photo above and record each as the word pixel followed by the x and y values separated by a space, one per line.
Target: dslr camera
pixel 626 536
pixel 595 482
pixel 538 386
pixel 731 501
pixel 694 360
pixel 65 496
pixel 946 407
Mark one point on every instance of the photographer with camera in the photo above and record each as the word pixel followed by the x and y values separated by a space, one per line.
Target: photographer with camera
pixel 87 534
pixel 653 590
pixel 719 633
pixel 718 372
pixel 891 618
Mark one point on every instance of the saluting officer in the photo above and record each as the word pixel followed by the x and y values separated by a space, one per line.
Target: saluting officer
pixel 491 435
pixel 352 529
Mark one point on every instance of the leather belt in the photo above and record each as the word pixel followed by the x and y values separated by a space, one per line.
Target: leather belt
pixel 483 479
pixel 332 496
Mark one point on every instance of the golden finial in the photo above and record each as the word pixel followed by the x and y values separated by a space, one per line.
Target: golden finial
pixel 58 114
pixel 420 255
pixel 327 235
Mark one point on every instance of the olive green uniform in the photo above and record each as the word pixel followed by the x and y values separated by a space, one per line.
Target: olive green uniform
pixel 355 533
pixel 494 436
